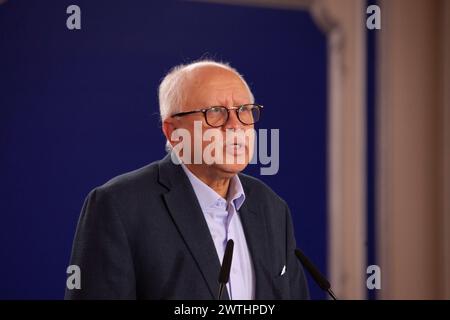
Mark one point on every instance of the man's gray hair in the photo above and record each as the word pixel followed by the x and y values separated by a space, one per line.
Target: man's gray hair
pixel 171 90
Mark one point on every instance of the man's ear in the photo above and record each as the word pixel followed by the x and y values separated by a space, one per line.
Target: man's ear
pixel 168 127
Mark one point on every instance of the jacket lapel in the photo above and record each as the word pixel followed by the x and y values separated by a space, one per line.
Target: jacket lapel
pixel 186 213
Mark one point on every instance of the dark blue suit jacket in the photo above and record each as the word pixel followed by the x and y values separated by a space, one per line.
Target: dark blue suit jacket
pixel 143 235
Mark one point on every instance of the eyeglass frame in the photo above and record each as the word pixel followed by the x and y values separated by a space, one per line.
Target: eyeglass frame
pixel 205 110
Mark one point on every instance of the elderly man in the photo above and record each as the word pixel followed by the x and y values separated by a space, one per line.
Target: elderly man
pixel 160 232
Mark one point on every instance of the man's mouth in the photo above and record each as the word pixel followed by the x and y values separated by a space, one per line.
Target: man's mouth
pixel 235 148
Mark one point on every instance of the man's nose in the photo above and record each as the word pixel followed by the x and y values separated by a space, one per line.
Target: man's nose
pixel 233 120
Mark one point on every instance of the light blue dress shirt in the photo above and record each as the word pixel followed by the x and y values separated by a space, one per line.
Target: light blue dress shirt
pixel 224 223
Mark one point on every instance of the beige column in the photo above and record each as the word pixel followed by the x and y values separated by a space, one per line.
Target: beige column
pixel 445 124
pixel 345 25
pixel 411 159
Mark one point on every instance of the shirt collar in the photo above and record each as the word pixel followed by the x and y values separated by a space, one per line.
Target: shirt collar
pixel 208 198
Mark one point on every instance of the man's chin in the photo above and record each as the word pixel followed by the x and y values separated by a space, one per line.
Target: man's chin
pixel 230 169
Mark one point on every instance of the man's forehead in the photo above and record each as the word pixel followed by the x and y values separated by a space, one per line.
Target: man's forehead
pixel 214 85
pixel 210 75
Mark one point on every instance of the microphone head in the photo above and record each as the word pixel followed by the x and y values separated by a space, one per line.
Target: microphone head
pixel 312 269
pixel 224 274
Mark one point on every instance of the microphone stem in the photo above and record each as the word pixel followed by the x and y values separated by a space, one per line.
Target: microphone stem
pixel 331 293
pixel 221 286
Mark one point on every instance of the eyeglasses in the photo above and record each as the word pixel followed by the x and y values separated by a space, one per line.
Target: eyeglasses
pixel 217 116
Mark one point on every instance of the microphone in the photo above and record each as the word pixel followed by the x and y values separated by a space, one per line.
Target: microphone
pixel 224 274
pixel 321 281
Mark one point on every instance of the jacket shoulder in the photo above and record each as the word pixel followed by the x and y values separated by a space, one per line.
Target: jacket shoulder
pixel 133 182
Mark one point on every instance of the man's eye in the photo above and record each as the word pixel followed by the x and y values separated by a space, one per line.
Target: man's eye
pixel 245 108
pixel 215 110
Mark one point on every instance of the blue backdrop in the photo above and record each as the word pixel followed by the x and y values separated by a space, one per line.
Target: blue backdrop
pixel 79 107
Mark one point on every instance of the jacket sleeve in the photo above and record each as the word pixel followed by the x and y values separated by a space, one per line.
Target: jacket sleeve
pixel 297 280
pixel 102 252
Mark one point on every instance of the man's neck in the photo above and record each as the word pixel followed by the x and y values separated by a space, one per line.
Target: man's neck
pixel 218 184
